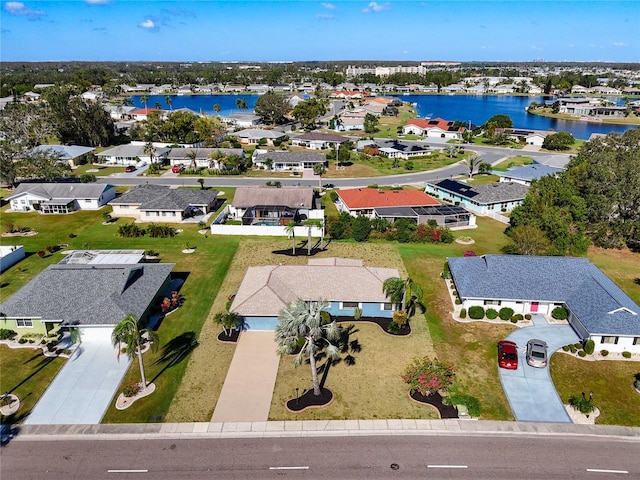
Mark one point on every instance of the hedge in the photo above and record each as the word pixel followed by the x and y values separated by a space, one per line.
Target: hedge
pixel 463 313
pixel 492 314
pixel 559 313
pixel 505 313
pixel 476 312
pixel 589 346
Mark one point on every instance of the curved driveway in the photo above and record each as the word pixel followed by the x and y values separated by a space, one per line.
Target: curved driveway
pixel 530 391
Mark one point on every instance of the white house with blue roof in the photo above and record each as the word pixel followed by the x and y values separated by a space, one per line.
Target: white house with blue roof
pixel 526 174
pixel 597 307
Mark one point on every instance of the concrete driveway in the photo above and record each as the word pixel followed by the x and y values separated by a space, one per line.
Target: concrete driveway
pixel 530 391
pixel 82 390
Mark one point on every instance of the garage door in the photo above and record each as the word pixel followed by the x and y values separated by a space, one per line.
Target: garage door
pixel 96 334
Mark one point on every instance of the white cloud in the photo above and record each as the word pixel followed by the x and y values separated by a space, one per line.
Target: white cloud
pixel 328 6
pixel 148 24
pixel 19 8
pixel 97 2
pixel 376 7
pixel 322 16
pixel 620 44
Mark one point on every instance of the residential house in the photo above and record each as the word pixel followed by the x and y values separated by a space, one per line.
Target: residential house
pixel 449 216
pixel 318 141
pixel 74 155
pixel 530 137
pixel 60 197
pixel 140 114
pixel 481 199
pixel 253 136
pixel 92 95
pixel 280 160
pixel 345 283
pixel 598 309
pixel 119 112
pixel 404 149
pixel 272 206
pixel 204 157
pixel 528 173
pixel 242 120
pixel 258 88
pixel 131 154
pixel 10 255
pixel 157 203
pixel 364 201
pixel 234 88
pixel 91 297
pixel 433 128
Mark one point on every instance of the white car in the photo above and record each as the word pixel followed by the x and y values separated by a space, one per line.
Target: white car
pixel 537 353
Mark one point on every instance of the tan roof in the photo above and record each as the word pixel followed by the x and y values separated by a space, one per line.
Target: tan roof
pixel 292 197
pixel 267 290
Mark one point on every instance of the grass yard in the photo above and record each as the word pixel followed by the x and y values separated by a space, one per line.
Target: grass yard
pixel 517 161
pixel 480 179
pixel 610 381
pixel 27 373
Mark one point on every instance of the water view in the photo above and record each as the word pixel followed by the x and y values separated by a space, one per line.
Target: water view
pixel 474 109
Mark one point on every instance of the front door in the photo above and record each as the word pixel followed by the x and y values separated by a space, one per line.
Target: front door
pixel 534 307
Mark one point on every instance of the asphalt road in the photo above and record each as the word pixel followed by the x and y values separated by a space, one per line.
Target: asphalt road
pixel 490 155
pixel 380 457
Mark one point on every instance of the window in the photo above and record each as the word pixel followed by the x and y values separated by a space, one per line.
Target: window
pixel 492 302
pixel 348 305
pixel 636 340
pixel 613 340
pixel 387 306
pixel 24 322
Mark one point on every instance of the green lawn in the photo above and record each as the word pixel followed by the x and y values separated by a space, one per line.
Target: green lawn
pixel 27 373
pixel 511 162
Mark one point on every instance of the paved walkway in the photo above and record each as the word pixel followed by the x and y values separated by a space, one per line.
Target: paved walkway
pixel 82 390
pixel 248 387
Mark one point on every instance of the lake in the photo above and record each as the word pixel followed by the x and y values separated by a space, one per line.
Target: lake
pixel 474 108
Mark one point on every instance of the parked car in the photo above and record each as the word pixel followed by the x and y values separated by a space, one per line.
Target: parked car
pixel 537 353
pixel 130 168
pixel 177 168
pixel 507 355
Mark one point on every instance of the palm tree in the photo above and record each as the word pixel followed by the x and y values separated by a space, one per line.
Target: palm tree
pixel 192 155
pixel 241 103
pixel 303 323
pixel 472 163
pixel 144 99
pixel 290 229
pixel 309 223
pixel 397 290
pixel 319 170
pixel 169 102
pixel 216 108
pixel 150 150
pixel 128 331
pixel 157 106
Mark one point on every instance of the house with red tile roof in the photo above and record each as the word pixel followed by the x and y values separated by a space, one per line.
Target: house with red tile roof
pixel 364 201
pixel 433 128
pixel 140 114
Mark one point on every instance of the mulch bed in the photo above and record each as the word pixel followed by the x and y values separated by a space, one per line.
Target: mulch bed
pixel 309 400
pixel 231 338
pixel 446 411
pixel 382 322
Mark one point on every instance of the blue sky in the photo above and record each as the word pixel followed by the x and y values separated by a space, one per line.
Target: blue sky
pixel 273 30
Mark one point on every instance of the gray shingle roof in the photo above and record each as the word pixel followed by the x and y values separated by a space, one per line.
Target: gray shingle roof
pixel 588 292
pixel 181 153
pixel 130 151
pixel 159 197
pixel 486 194
pixel 290 156
pixel 530 172
pixel 88 294
pixel 292 197
pixel 61 190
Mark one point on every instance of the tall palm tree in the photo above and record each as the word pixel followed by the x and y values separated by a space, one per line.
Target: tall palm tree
pixel 128 331
pixel 216 108
pixel 399 290
pixel 192 155
pixel 241 103
pixel 157 105
pixel 472 163
pixel 302 322
pixel 310 223
pixel 290 229
pixel 319 170
pixel 144 99
pixel 169 102
pixel 150 150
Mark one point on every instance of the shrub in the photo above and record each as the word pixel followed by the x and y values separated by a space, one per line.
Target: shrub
pixel 582 404
pixel 41 253
pixel 604 353
pixel 131 389
pixel 527 316
pixel 151 253
pixel 394 328
pixel 505 313
pixel 559 313
pixel 589 346
pixel 626 354
pixel 472 403
pixel 6 334
pixel 463 313
pixel 582 353
pixel 400 317
pixel 427 376
pixel 476 312
pixel 578 345
pixel 457 301
pixel 130 230
pixel 492 313
pixel 22 340
pixel 565 348
pixel 469 253
pixel 517 317
pixel 573 348
pixel 72 235
pixel 161 231
pixel 514 320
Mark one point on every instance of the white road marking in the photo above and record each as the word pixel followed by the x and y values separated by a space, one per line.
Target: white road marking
pixel 600 470
pixel 127 471
pixel 288 468
pixel 447 466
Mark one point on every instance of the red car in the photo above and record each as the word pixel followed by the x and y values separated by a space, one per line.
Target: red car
pixel 507 355
pixel 177 168
pixel 130 168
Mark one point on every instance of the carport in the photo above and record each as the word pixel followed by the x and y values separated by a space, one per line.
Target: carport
pixel 530 391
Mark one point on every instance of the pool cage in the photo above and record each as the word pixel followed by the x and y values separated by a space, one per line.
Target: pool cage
pixel 271 215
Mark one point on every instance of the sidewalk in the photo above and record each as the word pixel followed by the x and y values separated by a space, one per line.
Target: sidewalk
pixel 248 387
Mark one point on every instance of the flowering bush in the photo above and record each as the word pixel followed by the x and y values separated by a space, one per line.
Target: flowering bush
pixel 469 253
pixel 427 376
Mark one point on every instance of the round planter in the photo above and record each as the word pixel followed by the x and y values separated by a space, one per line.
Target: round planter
pixel 12 407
